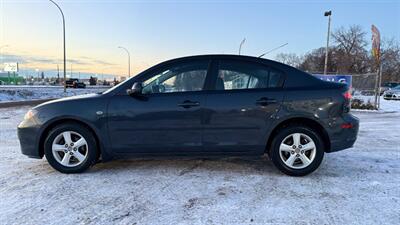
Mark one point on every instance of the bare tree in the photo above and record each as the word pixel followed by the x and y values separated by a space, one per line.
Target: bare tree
pixel 350 53
pixel 290 59
pixel 390 59
pixel 314 61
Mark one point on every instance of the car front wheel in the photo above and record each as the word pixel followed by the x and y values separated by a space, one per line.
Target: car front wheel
pixel 297 150
pixel 70 148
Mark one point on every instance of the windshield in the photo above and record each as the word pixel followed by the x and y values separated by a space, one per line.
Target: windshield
pixel 396 88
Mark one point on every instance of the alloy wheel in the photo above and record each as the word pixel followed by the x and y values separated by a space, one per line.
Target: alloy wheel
pixel 297 150
pixel 70 148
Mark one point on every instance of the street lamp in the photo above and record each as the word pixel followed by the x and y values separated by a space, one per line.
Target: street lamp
pixel 65 67
pixel 328 14
pixel 129 60
pixel 240 46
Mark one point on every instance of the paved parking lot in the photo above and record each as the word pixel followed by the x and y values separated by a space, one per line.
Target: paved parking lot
pixel 356 186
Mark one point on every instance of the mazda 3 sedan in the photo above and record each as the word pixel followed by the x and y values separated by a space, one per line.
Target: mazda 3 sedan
pixel 197 106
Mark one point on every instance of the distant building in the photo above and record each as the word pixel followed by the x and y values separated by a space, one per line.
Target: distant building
pixel 10 78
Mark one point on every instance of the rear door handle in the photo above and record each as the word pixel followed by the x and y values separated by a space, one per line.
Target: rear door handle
pixel 265 101
pixel 188 104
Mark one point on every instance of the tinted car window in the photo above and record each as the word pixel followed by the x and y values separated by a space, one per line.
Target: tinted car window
pixel 179 78
pixel 275 78
pixel 243 75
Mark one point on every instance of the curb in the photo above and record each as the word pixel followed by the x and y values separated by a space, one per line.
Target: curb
pixel 24 103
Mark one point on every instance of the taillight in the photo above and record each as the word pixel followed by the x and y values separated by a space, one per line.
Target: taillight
pixel 347 126
pixel 347 99
pixel 347 95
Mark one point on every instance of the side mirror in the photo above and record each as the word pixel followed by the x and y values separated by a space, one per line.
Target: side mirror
pixel 136 89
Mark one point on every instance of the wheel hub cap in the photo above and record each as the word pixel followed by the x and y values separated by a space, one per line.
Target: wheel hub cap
pixel 67 155
pixel 297 150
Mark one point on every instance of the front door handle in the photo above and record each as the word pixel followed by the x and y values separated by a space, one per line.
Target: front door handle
pixel 188 104
pixel 265 101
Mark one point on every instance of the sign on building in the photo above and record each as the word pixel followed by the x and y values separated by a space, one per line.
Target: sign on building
pixel 11 67
pixel 346 79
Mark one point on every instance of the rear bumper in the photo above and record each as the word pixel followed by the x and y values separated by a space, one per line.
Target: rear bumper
pixel 28 137
pixel 343 138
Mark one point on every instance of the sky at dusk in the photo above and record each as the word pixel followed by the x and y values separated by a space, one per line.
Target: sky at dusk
pixel 154 31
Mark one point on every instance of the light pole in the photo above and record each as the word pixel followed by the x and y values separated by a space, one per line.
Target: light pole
pixel 129 60
pixel 3 46
pixel 1 55
pixel 65 66
pixel 37 71
pixel 262 55
pixel 240 46
pixel 328 14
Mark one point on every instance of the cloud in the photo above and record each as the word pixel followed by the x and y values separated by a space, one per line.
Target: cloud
pixel 26 59
pixel 104 62
pixel 13 58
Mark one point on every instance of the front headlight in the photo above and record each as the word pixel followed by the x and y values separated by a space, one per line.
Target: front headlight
pixel 30 114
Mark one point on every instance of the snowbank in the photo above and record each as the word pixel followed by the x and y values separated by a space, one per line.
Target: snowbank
pixel 23 93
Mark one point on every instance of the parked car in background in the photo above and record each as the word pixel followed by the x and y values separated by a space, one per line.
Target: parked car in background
pixel 74 83
pixel 388 86
pixel 198 106
pixel 392 94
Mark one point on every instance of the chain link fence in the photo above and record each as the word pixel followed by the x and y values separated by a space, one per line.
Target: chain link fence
pixel 364 91
pixel 363 88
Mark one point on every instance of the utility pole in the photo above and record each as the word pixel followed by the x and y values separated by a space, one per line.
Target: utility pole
pixel 328 14
pixel 58 74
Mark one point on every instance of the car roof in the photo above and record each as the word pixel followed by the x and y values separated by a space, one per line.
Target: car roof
pixel 232 56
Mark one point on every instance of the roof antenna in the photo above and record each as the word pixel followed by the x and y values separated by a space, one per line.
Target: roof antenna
pixel 262 55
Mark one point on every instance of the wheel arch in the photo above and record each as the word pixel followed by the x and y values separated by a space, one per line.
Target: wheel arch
pixel 59 121
pixel 303 121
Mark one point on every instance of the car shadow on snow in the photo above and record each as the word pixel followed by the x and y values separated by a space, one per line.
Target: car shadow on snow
pixel 333 166
pixel 186 166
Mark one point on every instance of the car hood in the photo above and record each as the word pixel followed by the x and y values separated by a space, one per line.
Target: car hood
pixel 392 92
pixel 71 98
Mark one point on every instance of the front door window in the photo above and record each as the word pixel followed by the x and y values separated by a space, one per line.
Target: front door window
pixel 180 78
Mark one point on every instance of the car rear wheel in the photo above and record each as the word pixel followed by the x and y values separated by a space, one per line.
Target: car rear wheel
pixel 70 148
pixel 297 150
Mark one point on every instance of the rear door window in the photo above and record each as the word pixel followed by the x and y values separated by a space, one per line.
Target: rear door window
pixel 235 74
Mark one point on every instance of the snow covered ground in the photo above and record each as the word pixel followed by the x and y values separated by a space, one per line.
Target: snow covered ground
pixel 25 92
pixel 355 186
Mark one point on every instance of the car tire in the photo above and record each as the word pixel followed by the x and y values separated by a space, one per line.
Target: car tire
pixel 280 153
pixel 67 152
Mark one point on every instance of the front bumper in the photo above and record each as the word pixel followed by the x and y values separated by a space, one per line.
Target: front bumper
pixel 28 138
pixel 391 96
pixel 342 138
